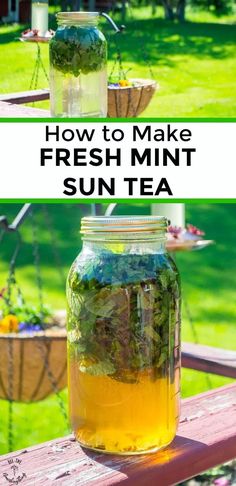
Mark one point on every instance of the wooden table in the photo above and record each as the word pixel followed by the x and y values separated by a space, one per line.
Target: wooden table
pixel 8 110
pixel 12 104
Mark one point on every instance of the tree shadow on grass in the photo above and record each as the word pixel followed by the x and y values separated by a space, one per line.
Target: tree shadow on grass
pixel 156 39
pixel 13 35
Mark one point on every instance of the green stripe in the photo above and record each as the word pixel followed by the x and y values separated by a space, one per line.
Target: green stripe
pixel 111 200
pixel 118 120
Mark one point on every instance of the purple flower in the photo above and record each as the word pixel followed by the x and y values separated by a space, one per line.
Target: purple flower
pixel 28 327
pixel 37 327
pixel 22 326
pixel 221 482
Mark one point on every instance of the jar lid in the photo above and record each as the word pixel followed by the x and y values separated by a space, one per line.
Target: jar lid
pixel 123 224
pixel 77 16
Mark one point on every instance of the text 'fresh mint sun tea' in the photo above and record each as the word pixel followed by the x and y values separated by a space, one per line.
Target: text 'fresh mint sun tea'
pixel 124 336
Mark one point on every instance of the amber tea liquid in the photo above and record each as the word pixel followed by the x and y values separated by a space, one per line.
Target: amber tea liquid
pixel 119 417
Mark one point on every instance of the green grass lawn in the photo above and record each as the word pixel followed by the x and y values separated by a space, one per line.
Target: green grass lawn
pixel 194 62
pixel 208 281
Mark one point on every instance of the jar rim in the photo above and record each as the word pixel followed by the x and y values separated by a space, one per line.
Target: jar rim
pixel 77 16
pixel 123 224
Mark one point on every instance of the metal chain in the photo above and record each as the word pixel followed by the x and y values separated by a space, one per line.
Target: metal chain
pixel 38 63
pixel 11 274
pixel 145 55
pixel 10 281
pixel 118 60
pixel 35 75
pixel 52 380
pixel 41 346
pixel 36 256
pixel 121 74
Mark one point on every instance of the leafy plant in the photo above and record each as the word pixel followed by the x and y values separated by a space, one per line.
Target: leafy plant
pixel 16 315
pixel 75 50
pixel 123 313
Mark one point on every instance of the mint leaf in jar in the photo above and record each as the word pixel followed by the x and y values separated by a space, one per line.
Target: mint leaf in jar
pixel 75 50
pixel 128 309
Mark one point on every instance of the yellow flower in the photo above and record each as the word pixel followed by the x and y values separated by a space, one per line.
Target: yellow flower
pixel 123 83
pixel 9 324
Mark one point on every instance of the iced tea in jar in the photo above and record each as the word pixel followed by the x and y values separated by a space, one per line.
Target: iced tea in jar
pixel 123 295
pixel 78 72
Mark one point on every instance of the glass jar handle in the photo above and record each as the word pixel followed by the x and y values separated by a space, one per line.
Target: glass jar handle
pixel 115 27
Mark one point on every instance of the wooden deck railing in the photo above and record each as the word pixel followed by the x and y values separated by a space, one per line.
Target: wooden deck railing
pixel 12 104
pixel 211 360
pixel 206 437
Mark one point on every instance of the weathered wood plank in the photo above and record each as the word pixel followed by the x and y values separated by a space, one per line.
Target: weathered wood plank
pixel 8 110
pixel 206 358
pixel 26 96
pixel 206 437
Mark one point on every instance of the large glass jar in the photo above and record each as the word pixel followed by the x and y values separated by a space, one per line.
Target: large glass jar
pixel 123 336
pixel 78 76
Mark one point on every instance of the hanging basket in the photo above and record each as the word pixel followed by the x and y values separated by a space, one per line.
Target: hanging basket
pixel 32 366
pixel 132 100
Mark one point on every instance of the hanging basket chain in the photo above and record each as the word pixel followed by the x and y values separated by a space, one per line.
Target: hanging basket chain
pixel 10 281
pixel 36 256
pixel 143 50
pixel 53 382
pixel 121 74
pixel 41 63
pixel 42 346
pixel 35 75
pixel 147 59
pixel 118 60
pixel 127 100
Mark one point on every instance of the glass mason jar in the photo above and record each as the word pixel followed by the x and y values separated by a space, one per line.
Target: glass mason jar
pixel 39 16
pixel 123 296
pixel 78 75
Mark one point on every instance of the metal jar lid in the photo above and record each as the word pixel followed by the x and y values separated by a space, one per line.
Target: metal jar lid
pixel 123 224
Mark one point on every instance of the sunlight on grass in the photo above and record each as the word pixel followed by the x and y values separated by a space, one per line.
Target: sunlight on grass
pixel 194 62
